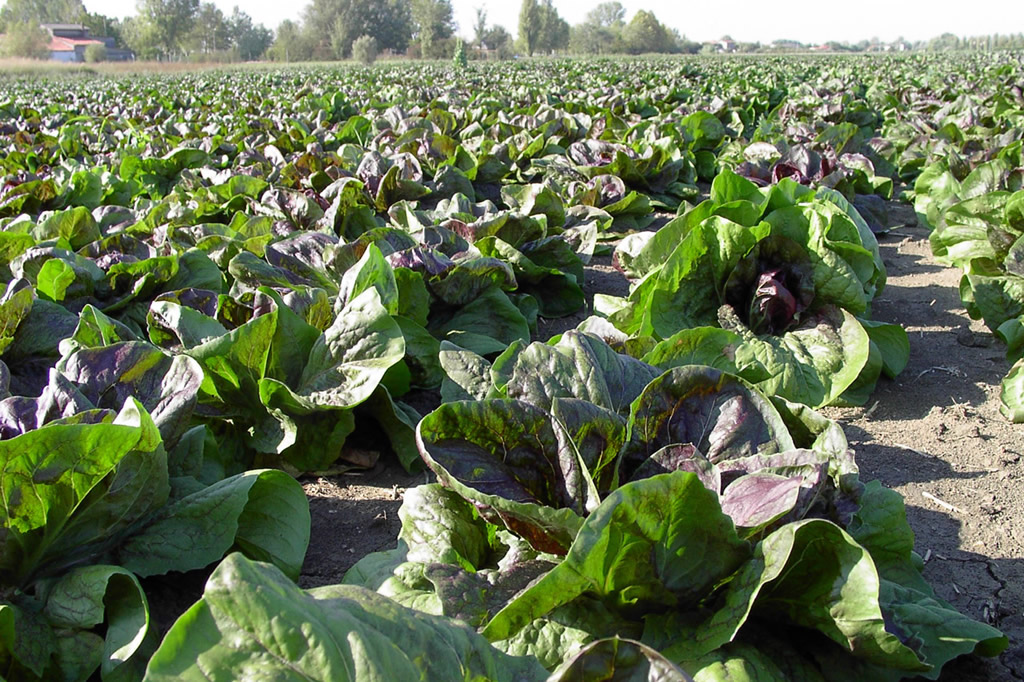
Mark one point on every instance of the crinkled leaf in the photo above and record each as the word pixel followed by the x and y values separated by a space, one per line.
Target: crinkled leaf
pixel 511 457
pixel 166 385
pixel 656 543
pixel 718 413
pixel 579 365
pixel 254 621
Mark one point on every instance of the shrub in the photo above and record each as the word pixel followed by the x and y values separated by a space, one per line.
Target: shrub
pixel 364 49
pixel 96 52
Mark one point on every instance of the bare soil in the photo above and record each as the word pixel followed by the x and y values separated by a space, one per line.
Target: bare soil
pixel 934 434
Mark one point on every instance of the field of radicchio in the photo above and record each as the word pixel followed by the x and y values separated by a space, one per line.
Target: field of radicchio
pixel 223 286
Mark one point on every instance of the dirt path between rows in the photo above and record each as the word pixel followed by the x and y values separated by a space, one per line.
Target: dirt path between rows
pixel 934 434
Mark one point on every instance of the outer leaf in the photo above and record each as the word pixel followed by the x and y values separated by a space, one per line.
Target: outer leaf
pixel 813 364
pixel 87 597
pixel 348 362
pixel 467 375
pixel 579 366
pixel 812 574
pixel 1011 394
pixel 167 385
pixel 48 476
pixel 655 543
pixel 262 513
pixel 252 622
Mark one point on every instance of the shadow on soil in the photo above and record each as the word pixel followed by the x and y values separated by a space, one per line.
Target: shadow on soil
pixel 989 590
pixel 895 466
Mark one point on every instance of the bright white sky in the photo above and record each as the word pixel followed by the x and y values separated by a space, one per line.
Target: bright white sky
pixel 743 20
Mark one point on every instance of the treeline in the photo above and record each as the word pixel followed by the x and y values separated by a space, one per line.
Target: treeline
pixel 194 30
pixel 605 31
pixel 162 29
pixel 329 28
pixel 426 29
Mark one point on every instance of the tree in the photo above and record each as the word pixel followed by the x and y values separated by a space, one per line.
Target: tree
pixel 480 27
pixel 601 31
pixel 41 12
pixel 104 27
pixel 290 44
pixel 607 15
pixel 529 25
pixel 250 41
pixel 26 39
pixel 433 21
pixel 96 52
pixel 554 30
pixel 331 26
pixel 644 33
pixel 171 21
pixel 209 33
pixel 685 45
pixel 498 38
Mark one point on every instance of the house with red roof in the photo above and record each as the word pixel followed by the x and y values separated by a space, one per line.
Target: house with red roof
pixel 69 41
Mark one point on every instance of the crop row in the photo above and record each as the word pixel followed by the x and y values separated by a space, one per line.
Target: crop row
pixel 214 281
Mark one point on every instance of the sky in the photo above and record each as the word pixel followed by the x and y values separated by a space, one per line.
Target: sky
pixel 743 20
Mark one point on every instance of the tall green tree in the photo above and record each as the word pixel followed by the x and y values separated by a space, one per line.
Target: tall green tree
pixel 25 39
pixel 554 30
pixel 498 38
pixel 290 44
pixel 644 33
pixel 432 21
pixel 171 21
pixel 601 31
pixel 142 37
pixel 210 31
pixel 333 25
pixel 607 15
pixel 41 12
pixel 530 25
pixel 480 26
pixel 251 41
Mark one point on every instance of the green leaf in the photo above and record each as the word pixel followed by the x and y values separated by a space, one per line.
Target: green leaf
pixel 253 621
pixel 54 279
pixel 709 346
pixel 95 329
pixel 1011 394
pixel 66 495
pixel 808 573
pixel 14 308
pixel 486 325
pixel 372 270
pixel 262 513
pixel 579 365
pixel 467 375
pixel 655 543
pixel 812 364
pixel 88 597
pixel 350 358
pixel 75 225
pixel 619 659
